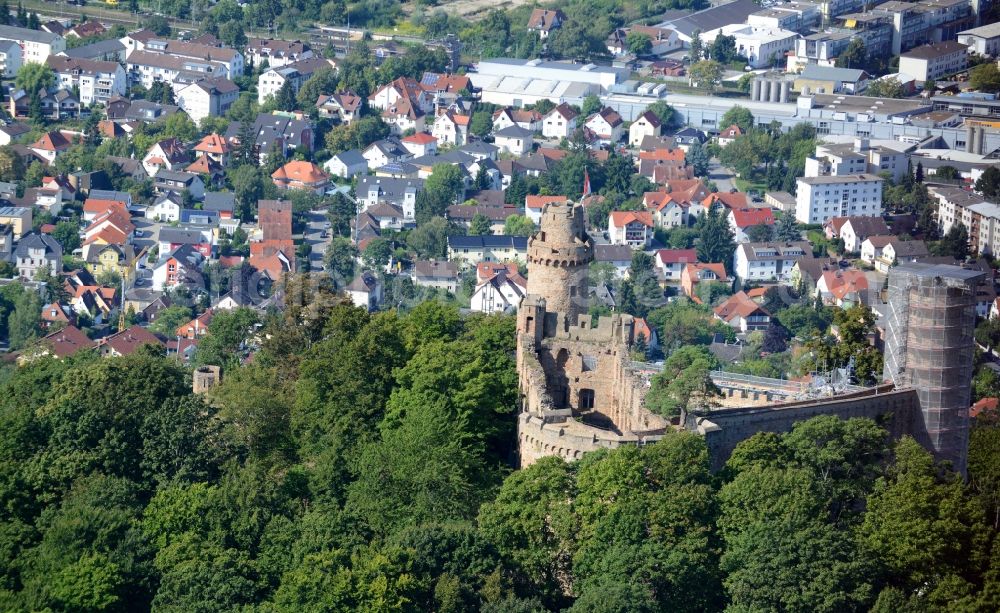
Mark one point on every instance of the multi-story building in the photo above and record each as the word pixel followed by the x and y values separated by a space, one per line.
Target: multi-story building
pixel 10 59
pixel 925 21
pixel 97 81
pixel 471 250
pixel 763 46
pixel 855 158
pixel 164 60
pixel 295 74
pixel 771 261
pixel 36 45
pixel 276 53
pixel 36 252
pixel 984 40
pixel 980 217
pixel 794 16
pixel 818 199
pixel 934 61
pixel 207 97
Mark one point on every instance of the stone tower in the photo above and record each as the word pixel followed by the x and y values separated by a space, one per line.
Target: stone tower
pixel 558 259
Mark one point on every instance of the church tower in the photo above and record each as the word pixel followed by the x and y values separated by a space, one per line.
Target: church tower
pixel 558 259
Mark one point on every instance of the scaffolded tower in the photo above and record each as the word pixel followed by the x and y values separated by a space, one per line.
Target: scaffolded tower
pixel 930 347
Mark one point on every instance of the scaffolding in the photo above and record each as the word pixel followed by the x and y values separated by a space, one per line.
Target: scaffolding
pixel 929 347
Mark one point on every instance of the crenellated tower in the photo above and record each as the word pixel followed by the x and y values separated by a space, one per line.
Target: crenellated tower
pixel 559 256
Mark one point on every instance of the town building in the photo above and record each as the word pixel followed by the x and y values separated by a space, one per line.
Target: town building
pixel 632 228
pixel 470 250
pixel 935 61
pixel 36 45
pixel 647 124
pixel 984 40
pixel 276 52
pixel 770 261
pixel 207 97
pixel 818 199
pixel 35 253
pixel 10 58
pixel 295 74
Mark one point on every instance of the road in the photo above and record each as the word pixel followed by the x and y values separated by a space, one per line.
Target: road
pixel 313 236
pixel 722 176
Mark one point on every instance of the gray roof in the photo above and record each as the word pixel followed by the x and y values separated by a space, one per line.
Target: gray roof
pixel 612 253
pixel 35 36
pixel 830 73
pixel 181 236
pixel 390 188
pixel 220 201
pixel 351 157
pixel 38 241
pixel 98 49
pixel 513 131
pixel 714 18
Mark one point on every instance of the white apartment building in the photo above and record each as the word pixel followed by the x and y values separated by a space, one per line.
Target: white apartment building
pixel 165 60
pixel 980 217
pixel 10 59
pixel 935 61
pixel 97 81
pixel 984 40
pixel 271 81
pixel 763 46
pixel 854 158
pixel 207 98
pixel 771 261
pixel 276 53
pixel 818 199
pixel 36 45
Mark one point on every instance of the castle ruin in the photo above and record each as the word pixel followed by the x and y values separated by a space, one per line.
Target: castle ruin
pixel 581 392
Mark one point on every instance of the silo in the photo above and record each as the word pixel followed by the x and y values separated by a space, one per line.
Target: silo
pixel 785 86
pixel 765 90
pixel 970 137
pixel 981 141
pixel 977 141
pixel 775 91
pixel 755 90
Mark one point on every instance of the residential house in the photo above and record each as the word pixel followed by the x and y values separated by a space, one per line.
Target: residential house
pixel 420 144
pixel 514 140
pixel 94 207
pixel 208 168
pixel 769 261
pixel 742 219
pixel 60 344
pixel 607 125
pixel 984 40
pixel 506 117
pixel 671 262
pixel 696 272
pixel 342 106
pixel 56 104
pixel 85 29
pixel 171 239
pixel 729 135
pixel 401 193
pixel 346 164
pixel 560 122
pixel 221 203
pixel 276 133
pixel 402 88
pixel 17 218
pixel 197 327
pixel 36 252
pixel 742 313
pixel 545 21
pixel 166 207
pixel 97 81
pixel 470 250
pixel 301 175
pixel 53 144
pixel 366 291
pixel 884 252
pixel 463 214
pixel 663 165
pixel 127 342
pixel 276 52
pixel 500 293
pixel 438 274
pixel 207 97
pixel 168 153
pixel 632 228
pixel 843 288
pixel 111 50
pixel 113 226
pixel 534 206
pixel 56 314
pixel 647 124
pixel 619 257
pixel 179 181
pixel 178 267
pixel 6 242
pixel 451 128
pixel 126 111
pixel 854 230
pixel 402 116
pixel 685 137
pixel 384 152
pixel 165 60
pixel 12 131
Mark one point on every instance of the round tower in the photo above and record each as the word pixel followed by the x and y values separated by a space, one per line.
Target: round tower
pixel 558 258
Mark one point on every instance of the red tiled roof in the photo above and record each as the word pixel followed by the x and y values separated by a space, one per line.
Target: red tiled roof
pixel 213 143
pixel 67 341
pixel 623 218
pixel 677 256
pixel 746 218
pixel 539 202
pixel 300 171
pixel 420 138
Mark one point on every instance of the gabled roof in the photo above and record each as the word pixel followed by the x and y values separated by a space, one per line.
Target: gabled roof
pixel 677 256
pixel 539 202
pixel 420 138
pixel 67 342
pixel 565 110
pixel 52 141
pixel 545 19
pixel 301 171
pixel 622 218
pixel 213 143
pixel 513 131
pixel 738 305
pixel 651 118
pixel 609 115
pixel 745 218
pixel 731 132
pixel 128 341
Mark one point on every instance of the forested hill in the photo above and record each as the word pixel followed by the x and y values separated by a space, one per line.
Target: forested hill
pixel 361 463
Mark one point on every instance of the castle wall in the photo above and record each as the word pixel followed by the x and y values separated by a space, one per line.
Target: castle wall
pixel 723 429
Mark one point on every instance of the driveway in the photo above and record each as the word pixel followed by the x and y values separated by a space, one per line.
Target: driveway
pixel 721 175
pixel 314 237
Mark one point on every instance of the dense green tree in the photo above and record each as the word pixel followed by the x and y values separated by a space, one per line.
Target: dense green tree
pixel 985 77
pixel 738 115
pixel 33 76
pixel 715 239
pixel 706 74
pixel 430 239
pixel 988 183
pixel 590 105
pixel 229 333
pixel 67 233
pixel 698 158
pixel 444 187
pixel 518 225
pixel 480 225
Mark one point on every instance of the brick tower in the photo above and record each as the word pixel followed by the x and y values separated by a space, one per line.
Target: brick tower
pixel 558 258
